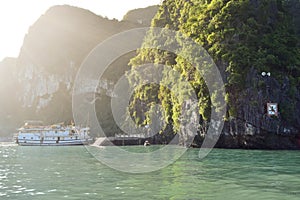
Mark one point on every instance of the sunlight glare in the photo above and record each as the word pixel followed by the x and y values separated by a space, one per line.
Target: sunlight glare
pixel 16 16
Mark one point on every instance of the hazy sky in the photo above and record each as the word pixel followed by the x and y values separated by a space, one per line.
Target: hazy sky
pixel 17 15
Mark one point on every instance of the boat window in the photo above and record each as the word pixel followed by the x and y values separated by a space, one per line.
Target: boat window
pixel 23 137
pixel 32 138
pixel 55 131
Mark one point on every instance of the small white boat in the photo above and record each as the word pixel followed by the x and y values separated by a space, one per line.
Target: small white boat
pixel 33 133
pixel 146 143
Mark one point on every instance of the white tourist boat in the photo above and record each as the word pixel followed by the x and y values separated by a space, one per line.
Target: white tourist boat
pixel 33 133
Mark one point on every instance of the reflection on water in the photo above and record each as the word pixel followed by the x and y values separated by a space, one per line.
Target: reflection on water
pixel 72 173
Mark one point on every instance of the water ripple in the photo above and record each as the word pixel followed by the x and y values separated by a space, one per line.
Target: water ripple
pixel 69 172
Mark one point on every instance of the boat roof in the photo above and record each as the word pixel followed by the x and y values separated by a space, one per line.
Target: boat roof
pixel 34 122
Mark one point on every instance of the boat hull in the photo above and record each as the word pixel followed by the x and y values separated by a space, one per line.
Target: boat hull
pixel 52 144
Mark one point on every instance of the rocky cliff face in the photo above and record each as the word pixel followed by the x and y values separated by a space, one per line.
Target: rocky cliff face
pixel 253 128
pixel 38 84
pixel 54 48
pixel 244 38
pixel 8 101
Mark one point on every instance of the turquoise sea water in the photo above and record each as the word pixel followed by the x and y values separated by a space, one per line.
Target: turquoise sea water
pixel 72 173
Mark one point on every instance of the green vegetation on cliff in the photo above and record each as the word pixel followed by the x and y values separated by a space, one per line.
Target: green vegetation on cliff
pixel 240 35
